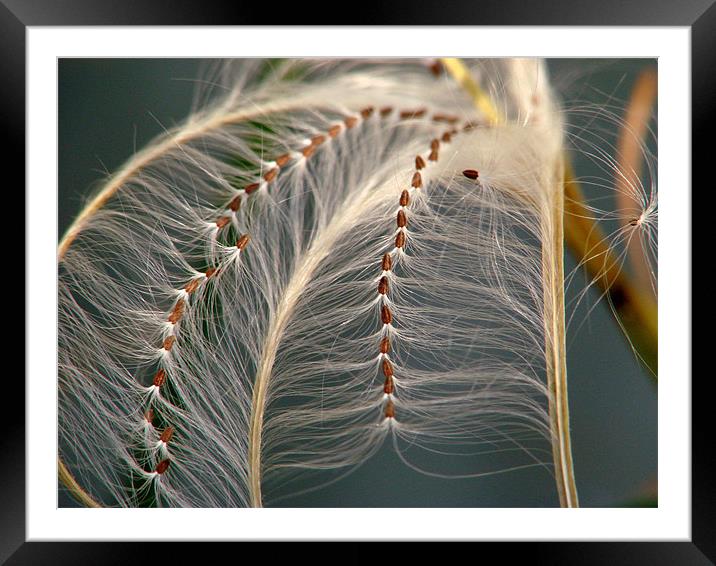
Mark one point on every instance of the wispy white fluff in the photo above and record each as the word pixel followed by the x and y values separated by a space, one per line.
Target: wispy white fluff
pixel 275 369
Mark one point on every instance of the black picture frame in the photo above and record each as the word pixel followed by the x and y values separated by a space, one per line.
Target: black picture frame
pixel 17 15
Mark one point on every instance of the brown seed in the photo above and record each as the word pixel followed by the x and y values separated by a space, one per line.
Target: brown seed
pixel 400 239
pixel 433 155
pixel 417 181
pixel 419 163
pixel 223 221
pixel 387 262
pixel 309 150
pixel 283 159
pixel 318 140
pixel 350 121
pixel 162 466
pixel 471 173
pixel 383 285
pixel 385 345
pixel 367 112
pixel 169 342
pixel 191 286
pixel 469 126
pixel 385 315
pixel 251 188
pixel 235 203
pixel 177 312
pixel 388 386
pixel 419 113
pixel 333 131
pixel 385 111
pixel 271 175
pixel 436 68
pixel 435 144
pixel 447 137
pixel 210 272
pixel 387 368
pixel 389 410
pixel 149 416
pixel 167 434
pixel 243 241
pixel 404 198
pixel 159 379
pixel 401 219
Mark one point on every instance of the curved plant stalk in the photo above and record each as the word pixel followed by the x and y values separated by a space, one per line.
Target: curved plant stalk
pixel 301 278
pixel 629 155
pixel 553 290
pixel 182 135
pixel 74 488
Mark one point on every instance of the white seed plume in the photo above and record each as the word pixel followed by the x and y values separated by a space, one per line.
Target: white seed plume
pixel 225 307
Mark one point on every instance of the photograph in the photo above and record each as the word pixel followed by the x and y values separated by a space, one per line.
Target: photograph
pixel 335 282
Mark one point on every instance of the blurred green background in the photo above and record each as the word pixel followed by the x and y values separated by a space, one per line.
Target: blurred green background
pixel 108 108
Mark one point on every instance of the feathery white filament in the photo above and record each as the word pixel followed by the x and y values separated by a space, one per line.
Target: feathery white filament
pixel 265 219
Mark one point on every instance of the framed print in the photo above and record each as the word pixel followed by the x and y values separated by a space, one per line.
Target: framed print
pixel 344 273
